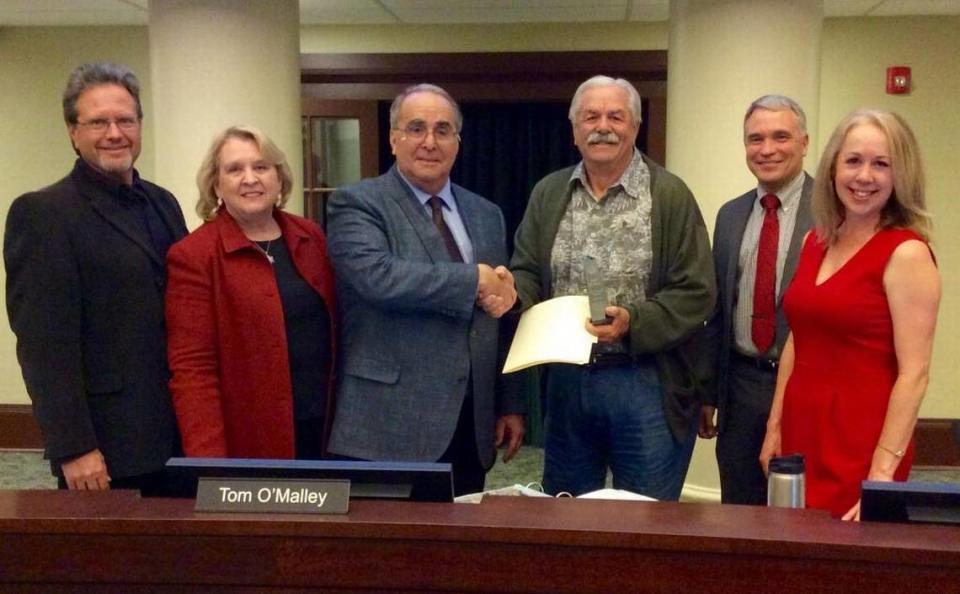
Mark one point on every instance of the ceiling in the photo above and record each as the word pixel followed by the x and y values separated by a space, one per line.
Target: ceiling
pixel 365 12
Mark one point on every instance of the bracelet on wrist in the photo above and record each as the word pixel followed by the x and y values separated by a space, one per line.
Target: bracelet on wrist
pixel 897 453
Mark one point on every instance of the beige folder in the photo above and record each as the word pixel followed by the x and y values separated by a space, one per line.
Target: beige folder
pixel 552 331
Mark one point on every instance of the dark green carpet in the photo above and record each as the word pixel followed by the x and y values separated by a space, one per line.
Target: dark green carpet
pixel 28 470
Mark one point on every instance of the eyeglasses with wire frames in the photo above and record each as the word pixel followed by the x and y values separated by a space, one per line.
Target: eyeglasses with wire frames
pixel 125 123
pixel 417 131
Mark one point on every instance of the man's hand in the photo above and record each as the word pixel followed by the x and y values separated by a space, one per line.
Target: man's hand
pixel 87 472
pixel 509 428
pixel 495 292
pixel 707 428
pixel 615 330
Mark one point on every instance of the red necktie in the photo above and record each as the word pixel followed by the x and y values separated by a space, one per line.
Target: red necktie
pixel 436 205
pixel 763 329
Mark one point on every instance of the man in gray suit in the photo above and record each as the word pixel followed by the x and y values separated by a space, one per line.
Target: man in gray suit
pixel 421 274
pixel 750 331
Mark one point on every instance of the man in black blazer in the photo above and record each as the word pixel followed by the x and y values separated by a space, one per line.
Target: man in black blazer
pixel 775 138
pixel 85 283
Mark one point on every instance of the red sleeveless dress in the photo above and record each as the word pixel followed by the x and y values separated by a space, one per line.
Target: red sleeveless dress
pixel 844 369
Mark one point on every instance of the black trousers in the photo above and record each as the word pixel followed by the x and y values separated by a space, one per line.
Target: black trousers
pixel 744 426
pixel 308 438
pixel 468 474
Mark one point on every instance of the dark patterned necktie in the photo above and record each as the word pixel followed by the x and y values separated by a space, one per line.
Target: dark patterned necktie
pixel 436 205
pixel 763 327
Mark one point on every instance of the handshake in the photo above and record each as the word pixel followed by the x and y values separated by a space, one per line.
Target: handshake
pixel 495 291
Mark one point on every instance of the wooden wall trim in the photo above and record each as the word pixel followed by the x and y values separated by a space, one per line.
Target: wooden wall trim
pixel 507 76
pixel 18 429
pixel 937 443
pixel 491 77
pixel 479 67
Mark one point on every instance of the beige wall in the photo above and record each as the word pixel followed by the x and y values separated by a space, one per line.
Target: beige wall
pixel 218 64
pixel 854 55
pixel 35 150
pixel 540 37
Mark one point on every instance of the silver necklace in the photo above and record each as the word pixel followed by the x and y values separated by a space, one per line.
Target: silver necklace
pixel 266 251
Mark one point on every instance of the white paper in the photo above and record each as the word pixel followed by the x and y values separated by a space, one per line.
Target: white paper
pixel 619 494
pixel 529 490
pixel 552 332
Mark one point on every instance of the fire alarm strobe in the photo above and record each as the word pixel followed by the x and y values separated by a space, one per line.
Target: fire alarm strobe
pixel 898 80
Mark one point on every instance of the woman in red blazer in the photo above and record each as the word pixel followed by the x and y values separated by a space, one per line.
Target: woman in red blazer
pixel 250 312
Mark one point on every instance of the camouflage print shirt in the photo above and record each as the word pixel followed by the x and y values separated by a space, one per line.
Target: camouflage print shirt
pixel 615 230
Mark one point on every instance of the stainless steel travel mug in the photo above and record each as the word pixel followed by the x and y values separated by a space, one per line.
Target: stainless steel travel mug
pixel 785 483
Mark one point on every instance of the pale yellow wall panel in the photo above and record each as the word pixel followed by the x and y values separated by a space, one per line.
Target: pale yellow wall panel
pixel 482 38
pixel 217 65
pixel 855 56
pixel 35 152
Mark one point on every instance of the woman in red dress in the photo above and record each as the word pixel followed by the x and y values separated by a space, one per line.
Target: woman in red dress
pixel 862 309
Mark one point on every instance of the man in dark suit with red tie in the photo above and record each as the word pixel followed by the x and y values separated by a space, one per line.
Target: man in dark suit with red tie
pixel 756 245
pixel 85 287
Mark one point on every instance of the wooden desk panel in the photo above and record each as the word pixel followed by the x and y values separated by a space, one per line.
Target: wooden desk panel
pixel 61 541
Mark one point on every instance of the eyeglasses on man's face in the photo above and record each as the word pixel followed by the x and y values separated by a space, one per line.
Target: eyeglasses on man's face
pixel 102 124
pixel 417 131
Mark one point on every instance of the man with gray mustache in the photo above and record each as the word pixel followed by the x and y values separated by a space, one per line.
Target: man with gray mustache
pixel 634 407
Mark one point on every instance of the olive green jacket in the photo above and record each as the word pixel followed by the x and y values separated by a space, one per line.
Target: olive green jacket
pixel 681 289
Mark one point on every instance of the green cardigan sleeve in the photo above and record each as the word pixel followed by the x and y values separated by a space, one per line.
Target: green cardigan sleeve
pixel 533 241
pixel 681 289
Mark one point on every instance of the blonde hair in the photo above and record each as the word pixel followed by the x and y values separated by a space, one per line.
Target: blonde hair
pixel 208 204
pixel 906 208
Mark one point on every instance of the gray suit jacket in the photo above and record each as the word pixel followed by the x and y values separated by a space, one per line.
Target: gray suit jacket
pixel 411 335
pixel 731 222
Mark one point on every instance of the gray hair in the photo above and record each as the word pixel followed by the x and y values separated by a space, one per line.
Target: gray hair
pixel 606 81
pixel 777 103
pixel 423 88
pixel 98 73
